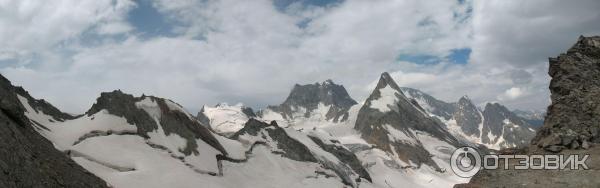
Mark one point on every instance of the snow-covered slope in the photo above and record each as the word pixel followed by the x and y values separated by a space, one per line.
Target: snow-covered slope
pixel 225 119
pixel 152 142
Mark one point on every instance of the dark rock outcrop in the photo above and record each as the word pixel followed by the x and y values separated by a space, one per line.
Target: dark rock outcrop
pixel 292 148
pixel 311 95
pixel 171 121
pixel 203 118
pixel 26 158
pixel 504 124
pixel 344 155
pixel 468 117
pixel 574 115
pixel 43 106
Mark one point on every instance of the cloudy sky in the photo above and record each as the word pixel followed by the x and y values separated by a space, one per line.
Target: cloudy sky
pixel 200 52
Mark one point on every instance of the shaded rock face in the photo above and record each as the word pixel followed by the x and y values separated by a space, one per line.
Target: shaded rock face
pixel 203 118
pixel 26 158
pixel 399 116
pixel 171 121
pixel 345 155
pixel 468 117
pixel 501 123
pixel 249 112
pixel 310 96
pixel 574 115
pixel 292 148
pixel 430 104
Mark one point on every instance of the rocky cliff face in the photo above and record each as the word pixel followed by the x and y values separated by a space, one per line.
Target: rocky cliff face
pixel 327 99
pixel 468 117
pixel 392 122
pixel 573 118
pixel 504 128
pixel 26 158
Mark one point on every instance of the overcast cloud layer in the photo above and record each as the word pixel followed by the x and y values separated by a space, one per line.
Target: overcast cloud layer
pixel 200 52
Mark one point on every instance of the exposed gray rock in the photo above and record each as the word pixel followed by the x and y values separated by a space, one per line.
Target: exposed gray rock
pixel 292 148
pixel 430 103
pixel 311 95
pixel 345 155
pixel 575 88
pixel 468 117
pixel 43 106
pixel 172 121
pixel 26 158
pixel 248 111
pixel 585 145
pixel 502 123
pixel 202 118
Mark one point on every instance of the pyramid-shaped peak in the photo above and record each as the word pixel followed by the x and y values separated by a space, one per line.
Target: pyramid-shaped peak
pixel 386 80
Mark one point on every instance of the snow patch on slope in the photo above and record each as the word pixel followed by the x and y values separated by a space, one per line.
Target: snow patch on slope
pixel 226 119
pixel 387 96
pixel 399 136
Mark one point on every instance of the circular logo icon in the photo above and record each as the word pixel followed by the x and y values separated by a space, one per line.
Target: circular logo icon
pixel 465 162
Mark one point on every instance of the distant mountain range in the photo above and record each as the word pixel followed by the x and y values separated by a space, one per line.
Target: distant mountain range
pixel 318 137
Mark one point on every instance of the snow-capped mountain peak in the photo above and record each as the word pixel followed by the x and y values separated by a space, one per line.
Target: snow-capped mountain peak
pixel 396 124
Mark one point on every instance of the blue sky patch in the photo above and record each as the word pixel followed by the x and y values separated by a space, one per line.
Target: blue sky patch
pixel 283 4
pixel 419 58
pixel 148 21
pixel 457 56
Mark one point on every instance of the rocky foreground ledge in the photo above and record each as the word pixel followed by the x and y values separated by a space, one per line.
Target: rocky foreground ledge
pixel 572 125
